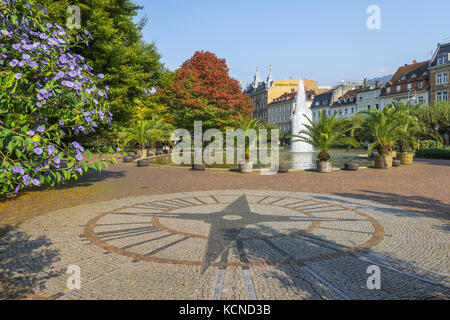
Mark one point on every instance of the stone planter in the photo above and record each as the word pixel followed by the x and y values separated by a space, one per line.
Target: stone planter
pixel 383 161
pixel 246 167
pixel 127 159
pixel 393 154
pixel 323 166
pixel 143 163
pixel 351 166
pixel 396 163
pixel 283 168
pixel 199 167
pixel 406 158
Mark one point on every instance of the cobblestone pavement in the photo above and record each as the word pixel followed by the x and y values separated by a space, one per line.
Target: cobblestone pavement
pixel 230 244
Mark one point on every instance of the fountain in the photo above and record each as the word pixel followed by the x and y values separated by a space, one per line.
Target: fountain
pixel 299 120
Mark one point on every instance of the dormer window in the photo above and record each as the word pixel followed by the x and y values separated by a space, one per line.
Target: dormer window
pixel 403 78
pixel 388 90
pixel 345 100
pixel 351 99
pixel 425 74
pixel 414 76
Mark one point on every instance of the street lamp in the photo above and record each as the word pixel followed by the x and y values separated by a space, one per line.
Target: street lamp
pixel 414 97
pixel 436 128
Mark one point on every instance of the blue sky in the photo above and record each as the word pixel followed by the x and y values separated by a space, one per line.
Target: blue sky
pixel 326 40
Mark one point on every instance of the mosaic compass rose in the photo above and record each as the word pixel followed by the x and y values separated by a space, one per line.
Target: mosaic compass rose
pixel 223 220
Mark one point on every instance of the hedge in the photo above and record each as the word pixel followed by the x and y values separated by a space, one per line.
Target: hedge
pixel 443 153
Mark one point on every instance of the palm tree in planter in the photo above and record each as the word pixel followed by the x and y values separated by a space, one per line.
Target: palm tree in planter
pixel 323 134
pixel 410 127
pixel 245 125
pixel 386 128
pixel 145 131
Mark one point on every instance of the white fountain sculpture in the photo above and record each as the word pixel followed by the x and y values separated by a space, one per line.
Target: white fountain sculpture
pixel 299 120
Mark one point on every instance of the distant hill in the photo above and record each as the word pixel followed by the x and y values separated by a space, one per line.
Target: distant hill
pixel 384 80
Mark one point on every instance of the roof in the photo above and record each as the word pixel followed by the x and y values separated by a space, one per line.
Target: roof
pixel 404 74
pixel 442 50
pixel 408 73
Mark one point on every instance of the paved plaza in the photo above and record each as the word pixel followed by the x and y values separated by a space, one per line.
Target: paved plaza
pixel 134 235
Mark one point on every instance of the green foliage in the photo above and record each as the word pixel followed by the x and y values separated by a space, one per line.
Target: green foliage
pixel 246 124
pixel 48 98
pixel 131 66
pixel 387 127
pixel 443 153
pixel 325 133
pixel 145 131
pixel 438 113
pixel 429 144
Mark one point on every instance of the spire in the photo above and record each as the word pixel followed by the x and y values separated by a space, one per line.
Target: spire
pixel 269 77
pixel 256 79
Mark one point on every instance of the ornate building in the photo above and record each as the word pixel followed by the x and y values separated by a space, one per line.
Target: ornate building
pixel 263 92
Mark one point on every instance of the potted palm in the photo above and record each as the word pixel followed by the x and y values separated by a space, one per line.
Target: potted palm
pixel 385 128
pixel 145 131
pixel 246 125
pixel 323 134
pixel 410 128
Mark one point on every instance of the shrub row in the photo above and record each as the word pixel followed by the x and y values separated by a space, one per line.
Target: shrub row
pixel 428 144
pixel 443 153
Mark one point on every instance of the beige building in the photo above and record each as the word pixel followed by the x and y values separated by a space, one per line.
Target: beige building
pixel 264 92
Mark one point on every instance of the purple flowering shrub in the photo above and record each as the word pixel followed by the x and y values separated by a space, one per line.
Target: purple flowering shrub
pixel 48 97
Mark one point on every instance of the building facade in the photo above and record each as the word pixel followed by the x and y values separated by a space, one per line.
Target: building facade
pixel 369 99
pixel 439 67
pixel 282 108
pixel 410 84
pixel 263 92
pixel 329 101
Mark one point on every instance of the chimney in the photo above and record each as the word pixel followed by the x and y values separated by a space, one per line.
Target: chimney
pixel 365 82
pixel 414 61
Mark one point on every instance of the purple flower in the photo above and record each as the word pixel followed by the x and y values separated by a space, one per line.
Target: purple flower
pixel 26 56
pixel 61 123
pixel 38 151
pixel 30 133
pixel 56 160
pixel 51 148
pixel 26 179
pixel 78 170
pixel 22 63
pixel 40 129
pixel 17 169
pixel 18 76
pixel 35 182
pixel 101 76
pixel 79 157
pixel 33 64
pixel 14 62
pixel 75 145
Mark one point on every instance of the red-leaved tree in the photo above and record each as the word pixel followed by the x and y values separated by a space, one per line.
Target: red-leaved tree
pixel 204 91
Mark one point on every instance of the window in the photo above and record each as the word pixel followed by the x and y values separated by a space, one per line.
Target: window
pixel 353 110
pixel 345 111
pixel 368 108
pixel 414 76
pixel 388 90
pixel 351 99
pixel 317 103
pixel 345 100
pixel 377 106
pixel 409 86
pixel 442 60
pixel 421 99
pixel 442 96
pixel 420 84
pixel 324 102
pixel 399 88
pixel 442 78
pixel 403 78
